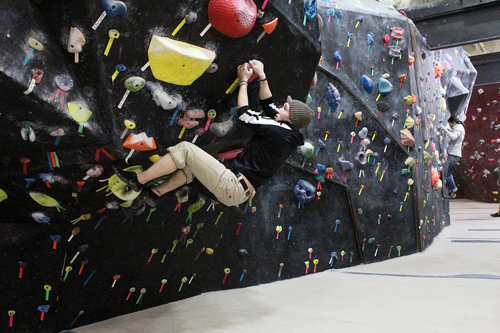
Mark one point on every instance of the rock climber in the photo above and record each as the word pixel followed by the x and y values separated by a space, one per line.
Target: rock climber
pixel 454 150
pixel 497 214
pixel 275 138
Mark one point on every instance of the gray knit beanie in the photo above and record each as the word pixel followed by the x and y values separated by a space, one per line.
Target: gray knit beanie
pixel 300 114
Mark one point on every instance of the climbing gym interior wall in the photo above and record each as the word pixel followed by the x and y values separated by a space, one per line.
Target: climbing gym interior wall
pixel 87 84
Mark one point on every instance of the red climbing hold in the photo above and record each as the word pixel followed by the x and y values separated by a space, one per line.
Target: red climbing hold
pixel 438 70
pixel 411 60
pixel 435 176
pixel 233 18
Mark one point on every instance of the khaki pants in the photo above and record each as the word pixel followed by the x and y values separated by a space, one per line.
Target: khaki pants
pixel 196 163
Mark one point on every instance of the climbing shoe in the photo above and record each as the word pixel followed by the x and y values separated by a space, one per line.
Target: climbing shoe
pixel 129 178
pixel 150 197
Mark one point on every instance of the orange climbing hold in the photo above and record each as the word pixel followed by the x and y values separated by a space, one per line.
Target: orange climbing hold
pixel 329 172
pixel 269 27
pixel 140 142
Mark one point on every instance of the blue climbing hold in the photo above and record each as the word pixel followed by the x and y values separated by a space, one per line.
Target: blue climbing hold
pixel 384 87
pixel 333 96
pixel 337 56
pixel 310 9
pixel 304 191
pixel 114 8
pixel 367 83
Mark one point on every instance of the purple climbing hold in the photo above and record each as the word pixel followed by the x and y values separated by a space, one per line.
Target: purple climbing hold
pixel 360 160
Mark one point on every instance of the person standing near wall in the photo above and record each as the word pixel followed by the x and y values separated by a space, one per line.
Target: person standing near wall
pixel 497 214
pixel 456 135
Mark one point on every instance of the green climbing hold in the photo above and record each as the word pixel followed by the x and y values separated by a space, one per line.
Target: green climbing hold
pixel 3 195
pixel 307 150
pixel 409 100
pixel 427 157
pixel 195 206
pixel 135 83
pixel 320 179
pixel 309 99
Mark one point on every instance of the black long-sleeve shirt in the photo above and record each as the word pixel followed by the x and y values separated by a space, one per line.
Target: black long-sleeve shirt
pixel 272 143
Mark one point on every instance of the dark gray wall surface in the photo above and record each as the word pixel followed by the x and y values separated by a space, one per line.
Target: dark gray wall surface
pixel 486 66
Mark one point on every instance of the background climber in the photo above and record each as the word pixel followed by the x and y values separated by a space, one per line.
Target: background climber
pixel 497 214
pixel 456 135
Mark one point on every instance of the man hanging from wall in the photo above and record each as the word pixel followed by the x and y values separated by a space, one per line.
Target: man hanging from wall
pixel 275 138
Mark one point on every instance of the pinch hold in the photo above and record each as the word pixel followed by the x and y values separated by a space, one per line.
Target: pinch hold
pixel 304 191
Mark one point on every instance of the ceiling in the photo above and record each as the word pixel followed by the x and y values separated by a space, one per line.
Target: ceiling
pixel 472 49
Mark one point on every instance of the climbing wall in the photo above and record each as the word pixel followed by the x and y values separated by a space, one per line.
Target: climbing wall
pixel 74 252
pixel 440 98
pixel 377 96
pixel 477 173
pixel 89 88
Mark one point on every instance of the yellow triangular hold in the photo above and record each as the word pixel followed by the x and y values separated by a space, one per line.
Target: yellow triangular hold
pixel 177 62
pixel 3 195
pixel 79 112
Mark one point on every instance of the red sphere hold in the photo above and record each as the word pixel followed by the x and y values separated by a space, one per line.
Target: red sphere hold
pixel 233 18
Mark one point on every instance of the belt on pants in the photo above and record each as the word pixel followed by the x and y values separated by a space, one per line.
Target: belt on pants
pixel 240 178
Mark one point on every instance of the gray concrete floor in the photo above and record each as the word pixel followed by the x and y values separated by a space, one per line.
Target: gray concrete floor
pixel 454 286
